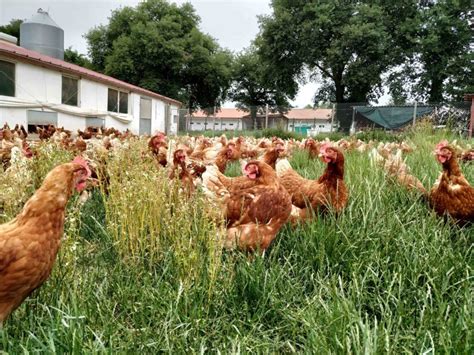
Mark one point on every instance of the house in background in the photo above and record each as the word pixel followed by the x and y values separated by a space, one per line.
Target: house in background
pixel 38 88
pixel 304 121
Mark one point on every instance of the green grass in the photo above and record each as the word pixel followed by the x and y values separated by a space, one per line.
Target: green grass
pixel 268 133
pixel 386 276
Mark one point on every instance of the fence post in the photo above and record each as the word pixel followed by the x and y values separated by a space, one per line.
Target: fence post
pixel 414 114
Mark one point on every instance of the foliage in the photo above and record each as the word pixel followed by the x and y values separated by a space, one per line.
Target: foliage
pixel 347 45
pixel 253 86
pixel 158 46
pixel 439 67
pixel 379 135
pixel 12 28
pixel 74 57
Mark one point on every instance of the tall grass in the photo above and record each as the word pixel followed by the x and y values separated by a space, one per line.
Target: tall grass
pixel 143 272
pixel 150 219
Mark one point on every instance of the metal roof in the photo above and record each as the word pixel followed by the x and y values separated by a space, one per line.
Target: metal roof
pixel 42 17
pixel 35 58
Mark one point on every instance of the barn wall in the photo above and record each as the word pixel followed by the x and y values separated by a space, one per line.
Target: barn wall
pixel 37 87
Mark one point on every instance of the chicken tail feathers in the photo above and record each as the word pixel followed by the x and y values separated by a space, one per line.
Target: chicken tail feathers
pixel 283 166
pixel 211 184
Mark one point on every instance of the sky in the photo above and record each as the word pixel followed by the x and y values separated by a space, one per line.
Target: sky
pixel 233 23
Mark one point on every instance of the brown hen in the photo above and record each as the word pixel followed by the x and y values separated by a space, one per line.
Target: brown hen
pixel 452 194
pixel 254 214
pixel 328 192
pixel 29 243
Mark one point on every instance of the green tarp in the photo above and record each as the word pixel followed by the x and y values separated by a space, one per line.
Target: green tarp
pixel 392 117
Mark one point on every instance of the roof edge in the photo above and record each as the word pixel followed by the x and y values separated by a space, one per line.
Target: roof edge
pixel 84 72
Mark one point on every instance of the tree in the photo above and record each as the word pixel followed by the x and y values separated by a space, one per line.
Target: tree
pixel 158 46
pixel 345 45
pixel 13 28
pixel 74 57
pixel 253 87
pixel 440 67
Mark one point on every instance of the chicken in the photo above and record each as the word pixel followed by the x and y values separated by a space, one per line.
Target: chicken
pixel 468 155
pixel 272 154
pixel 255 214
pixel 80 145
pixel 225 155
pixel 184 175
pixel 327 193
pixel 230 184
pixel 397 169
pixel 312 147
pixel 198 152
pixel 158 147
pixel 29 243
pixel 452 194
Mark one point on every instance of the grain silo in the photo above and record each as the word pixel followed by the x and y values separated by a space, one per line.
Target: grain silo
pixel 43 35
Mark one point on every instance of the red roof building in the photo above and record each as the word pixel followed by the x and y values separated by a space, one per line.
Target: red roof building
pixel 36 89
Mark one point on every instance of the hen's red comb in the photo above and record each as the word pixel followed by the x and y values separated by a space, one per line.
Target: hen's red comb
pixel 324 147
pixel 81 161
pixel 444 143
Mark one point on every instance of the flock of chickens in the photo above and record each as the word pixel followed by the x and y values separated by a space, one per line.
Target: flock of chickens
pixel 255 206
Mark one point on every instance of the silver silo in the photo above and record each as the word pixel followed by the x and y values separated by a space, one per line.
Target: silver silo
pixel 43 35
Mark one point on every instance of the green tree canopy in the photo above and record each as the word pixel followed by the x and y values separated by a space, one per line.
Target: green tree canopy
pixel 345 45
pixel 439 67
pixel 74 57
pixel 158 46
pixel 253 85
pixel 12 28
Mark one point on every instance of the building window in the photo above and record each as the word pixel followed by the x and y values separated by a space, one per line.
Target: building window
pixel 69 91
pixel 7 78
pixel 95 122
pixel 231 124
pixel 117 101
pixel 321 126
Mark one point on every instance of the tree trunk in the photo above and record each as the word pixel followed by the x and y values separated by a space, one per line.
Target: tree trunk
pixel 253 116
pixel 436 90
pixel 339 87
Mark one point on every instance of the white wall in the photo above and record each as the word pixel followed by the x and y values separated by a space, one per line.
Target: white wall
pixel 197 124
pixel 93 95
pixel 36 85
pixel 318 127
pixel 12 116
pixel 70 122
pixel 158 114
pixel 174 119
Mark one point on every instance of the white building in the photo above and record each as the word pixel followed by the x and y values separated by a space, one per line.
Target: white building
pixel 304 121
pixel 310 121
pixel 36 89
pixel 226 119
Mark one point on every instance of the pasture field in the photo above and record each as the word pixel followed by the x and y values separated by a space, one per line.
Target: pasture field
pixel 141 270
